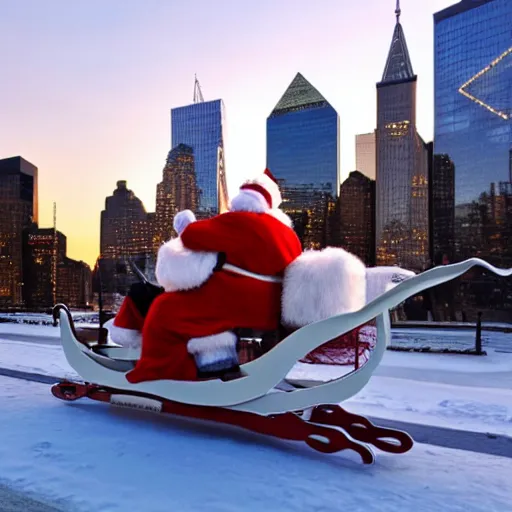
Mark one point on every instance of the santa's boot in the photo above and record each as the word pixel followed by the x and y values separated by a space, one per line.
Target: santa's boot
pixel 126 329
pixel 216 355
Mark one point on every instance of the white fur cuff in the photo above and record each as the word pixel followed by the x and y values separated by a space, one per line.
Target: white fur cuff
pixel 226 339
pixel 178 268
pixel 130 338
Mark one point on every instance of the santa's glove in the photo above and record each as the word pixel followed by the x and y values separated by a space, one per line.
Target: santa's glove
pixel 182 220
pixel 215 355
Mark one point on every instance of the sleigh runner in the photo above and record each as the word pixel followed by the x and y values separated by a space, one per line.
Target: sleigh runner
pixel 263 397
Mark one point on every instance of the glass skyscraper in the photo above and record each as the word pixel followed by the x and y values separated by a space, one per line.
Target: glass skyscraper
pixel 473 146
pixel 402 214
pixel 303 154
pixel 200 126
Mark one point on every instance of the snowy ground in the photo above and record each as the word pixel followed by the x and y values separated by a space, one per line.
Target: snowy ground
pixel 46 319
pixel 457 391
pixel 91 457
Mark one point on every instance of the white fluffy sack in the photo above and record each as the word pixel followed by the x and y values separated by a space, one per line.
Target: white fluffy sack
pixel 321 284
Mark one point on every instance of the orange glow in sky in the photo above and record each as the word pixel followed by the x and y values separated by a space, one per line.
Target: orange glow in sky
pixel 87 86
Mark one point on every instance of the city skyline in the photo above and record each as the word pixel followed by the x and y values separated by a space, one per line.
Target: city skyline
pixel 91 87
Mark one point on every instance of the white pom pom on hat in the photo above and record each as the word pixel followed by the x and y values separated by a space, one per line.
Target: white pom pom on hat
pixel 265 185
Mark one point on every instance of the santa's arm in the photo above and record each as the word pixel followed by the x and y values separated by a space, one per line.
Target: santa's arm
pixel 207 235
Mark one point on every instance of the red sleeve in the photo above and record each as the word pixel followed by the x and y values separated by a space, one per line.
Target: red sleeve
pixel 206 235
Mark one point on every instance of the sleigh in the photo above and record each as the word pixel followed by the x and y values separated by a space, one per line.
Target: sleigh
pixel 264 398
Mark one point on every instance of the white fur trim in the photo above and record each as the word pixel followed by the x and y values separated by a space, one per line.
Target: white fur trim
pixel 249 201
pixel 226 339
pixel 178 268
pixel 381 279
pixel 252 201
pixel 321 284
pixel 280 215
pixel 126 337
pixel 270 186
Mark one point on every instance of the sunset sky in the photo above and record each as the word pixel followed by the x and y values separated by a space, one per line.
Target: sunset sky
pixel 87 85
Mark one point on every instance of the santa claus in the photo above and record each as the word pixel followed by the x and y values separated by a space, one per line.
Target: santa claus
pixel 220 274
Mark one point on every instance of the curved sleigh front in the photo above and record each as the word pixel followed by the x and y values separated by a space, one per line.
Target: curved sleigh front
pixel 264 399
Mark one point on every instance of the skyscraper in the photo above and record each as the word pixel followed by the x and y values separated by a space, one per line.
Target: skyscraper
pixel 126 235
pixel 41 248
pixel 177 191
pixel 49 276
pixel 442 190
pixel 18 209
pixel 402 164
pixel 200 126
pixel 473 131
pixel 365 154
pixel 303 154
pixel 357 216
pixel 74 279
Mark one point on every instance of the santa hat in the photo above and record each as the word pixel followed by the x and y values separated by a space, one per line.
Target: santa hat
pixel 258 194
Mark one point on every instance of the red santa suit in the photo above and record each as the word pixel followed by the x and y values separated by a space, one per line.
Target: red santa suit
pixel 208 296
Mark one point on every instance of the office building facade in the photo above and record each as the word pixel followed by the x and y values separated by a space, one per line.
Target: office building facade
pixel 357 216
pixel 303 154
pixel 18 210
pixel 200 126
pixel 402 216
pixel 177 191
pixel 127 233
pixel 473 141
pixel 365 154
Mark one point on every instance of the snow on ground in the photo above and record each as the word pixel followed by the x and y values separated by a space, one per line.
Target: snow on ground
pixel 457 407
pixel 446 337
pixel 36 318
pixel 37 330
pixel 35 358
pixel 87 456
pixel 476 394
pixel 406 387
pixel 30 330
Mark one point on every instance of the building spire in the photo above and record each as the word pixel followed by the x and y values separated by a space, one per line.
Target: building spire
pixel 198 95
pixel 398 64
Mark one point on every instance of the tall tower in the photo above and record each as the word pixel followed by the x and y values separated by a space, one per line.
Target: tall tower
pixel 201 127
pixel 18 210
pixel 126 236
pixel 402 163
pixel 177 191
pixel 303 153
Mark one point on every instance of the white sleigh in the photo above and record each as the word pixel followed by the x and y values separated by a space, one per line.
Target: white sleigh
pixel 263 399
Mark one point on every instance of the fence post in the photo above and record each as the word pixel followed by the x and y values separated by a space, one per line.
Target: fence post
pixel 478 340
pixel 102 332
